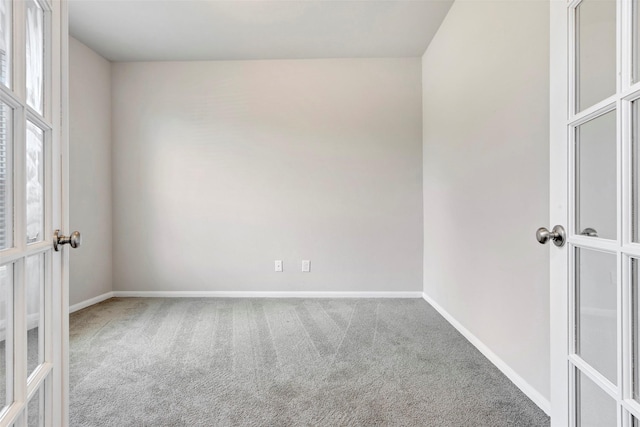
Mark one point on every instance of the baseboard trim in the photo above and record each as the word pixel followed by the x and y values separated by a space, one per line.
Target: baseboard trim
pixel 523 385
pixel 240 294
pixel 90 302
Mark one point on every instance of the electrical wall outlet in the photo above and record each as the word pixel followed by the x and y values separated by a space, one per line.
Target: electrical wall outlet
pixel 306 266
pixel 278 265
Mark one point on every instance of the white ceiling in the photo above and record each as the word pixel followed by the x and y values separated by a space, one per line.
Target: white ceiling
pixel 184 30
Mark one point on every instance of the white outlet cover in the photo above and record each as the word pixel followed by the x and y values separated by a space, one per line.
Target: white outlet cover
pixel 306 266
pixel 278 265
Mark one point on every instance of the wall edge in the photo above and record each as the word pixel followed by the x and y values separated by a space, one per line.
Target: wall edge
pixel 533 394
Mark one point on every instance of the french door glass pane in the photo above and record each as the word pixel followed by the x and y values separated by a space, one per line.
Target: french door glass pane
pixel 635 154
pixel 635 296
pixel 6 176
pixel 595 51
pixel 596 177
pixel 35 410
pixel 6 287
pixel 596 311
pixel 595 407
pixel 35 183
pixel 5 41
pixel 636 41
pixel 35 290
pixel 35 55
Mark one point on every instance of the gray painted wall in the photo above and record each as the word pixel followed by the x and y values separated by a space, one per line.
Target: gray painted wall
pixel 486 177
pixel 90 172
pixel 220 168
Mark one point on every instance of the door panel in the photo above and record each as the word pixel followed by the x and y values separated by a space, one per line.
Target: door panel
pixel 6 328
pixel 635 42
pixel 595 191
pixel 635 319
pixel 35 167
pixel 596 314
pixel 32 289
pixel 35 410
pixel 596 177
pixel 6 177
pixel 35 285
pixel 6 42
pixel 35 55
pixel 595 51
pixel 595 408
pixel 635 171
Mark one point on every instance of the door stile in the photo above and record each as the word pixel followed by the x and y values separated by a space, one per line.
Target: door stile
pixel 627 348
pixel 626 383
pixel 558 157
pixel 572 332
pixel 19 364
pixel 61 268
pixel 59 387
pixel 621 283
pixel 19 370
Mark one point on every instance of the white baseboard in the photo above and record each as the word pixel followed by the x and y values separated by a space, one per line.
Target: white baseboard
pixel 523 385
pixel 89 302
pixel 237 294
pixel 240 294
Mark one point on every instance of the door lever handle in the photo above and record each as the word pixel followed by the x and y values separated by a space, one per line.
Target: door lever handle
pixel 557 235
pixel 75 240
pixel 591 232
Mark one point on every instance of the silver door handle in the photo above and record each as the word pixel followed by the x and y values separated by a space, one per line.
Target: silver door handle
pixel 591 232
pixel 557 235
pixel 75 240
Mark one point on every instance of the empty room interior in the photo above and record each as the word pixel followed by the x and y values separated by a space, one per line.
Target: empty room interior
pixel 309 213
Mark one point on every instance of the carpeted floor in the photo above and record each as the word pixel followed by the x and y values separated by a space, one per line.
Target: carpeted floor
pixel 282 362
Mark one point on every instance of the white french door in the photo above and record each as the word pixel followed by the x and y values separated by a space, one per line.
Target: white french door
pixel 595 176
pixel 33 322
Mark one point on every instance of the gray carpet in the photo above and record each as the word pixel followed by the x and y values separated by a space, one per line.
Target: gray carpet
pixel 282 362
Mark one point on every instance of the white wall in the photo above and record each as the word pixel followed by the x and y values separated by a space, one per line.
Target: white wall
pixel 220 168
pixel 486 178
pixel 90 172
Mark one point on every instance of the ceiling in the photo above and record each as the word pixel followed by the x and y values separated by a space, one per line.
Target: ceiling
pixel 188 30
